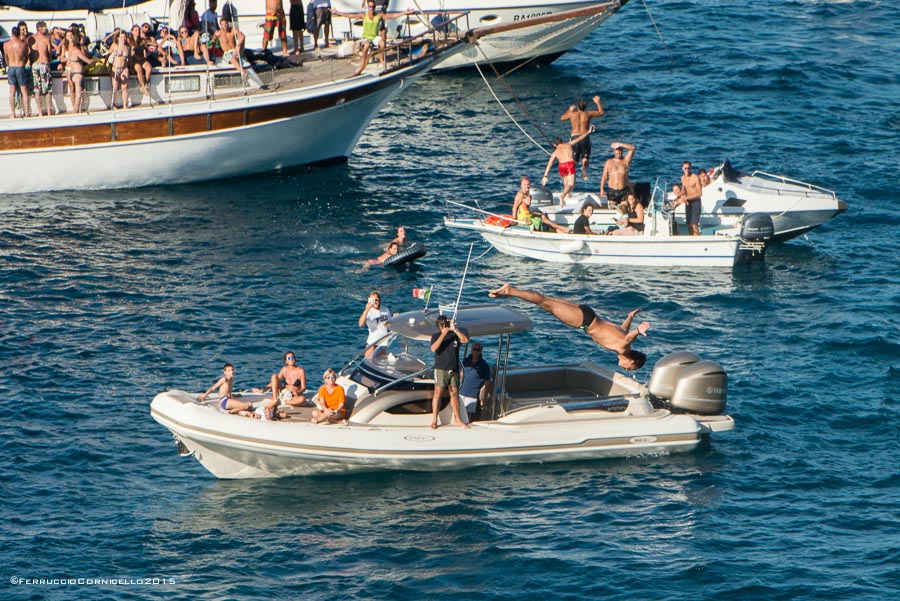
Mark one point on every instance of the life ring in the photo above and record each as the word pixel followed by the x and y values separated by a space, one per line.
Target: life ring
pixel 412 252
pixel 500 220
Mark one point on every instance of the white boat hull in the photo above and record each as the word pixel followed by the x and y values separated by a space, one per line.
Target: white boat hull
pixel 644 250
pixel 534 414
pixel 322 123
pixel 795 207
pixel 236 447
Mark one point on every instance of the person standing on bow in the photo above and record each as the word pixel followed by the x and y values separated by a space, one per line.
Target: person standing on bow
pixel 376 317
pixel 580 119
pixel 445 346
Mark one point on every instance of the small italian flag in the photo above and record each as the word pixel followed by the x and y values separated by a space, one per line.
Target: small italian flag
pixel 422 293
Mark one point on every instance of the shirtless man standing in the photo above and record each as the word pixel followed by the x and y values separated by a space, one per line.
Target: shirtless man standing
pixel 15 51
pixel 615 172
pixel 580 118
pixel 40 69
pixel 693 190
pixel 610 336
pixel 565 155
pixel 231 41
pixel 275 18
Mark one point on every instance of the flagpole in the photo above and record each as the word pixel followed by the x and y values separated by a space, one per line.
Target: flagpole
pixel 462 283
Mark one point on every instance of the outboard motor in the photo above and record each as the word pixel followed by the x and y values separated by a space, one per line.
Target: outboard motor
pixel 756 230
pixel 666 371
pixel 701 388
pixel 684 383
pixel 541 196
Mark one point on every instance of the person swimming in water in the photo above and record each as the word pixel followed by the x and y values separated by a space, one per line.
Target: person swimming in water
pixel 610 336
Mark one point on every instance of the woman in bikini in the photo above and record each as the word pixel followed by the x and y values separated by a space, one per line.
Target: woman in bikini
pixel 121 57
pixel 75 60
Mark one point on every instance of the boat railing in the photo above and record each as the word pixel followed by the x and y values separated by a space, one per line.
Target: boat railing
pixel 440 34
pixel 393 383
pixel 579 403
pixel 475 209
pixel 662 210
pixel 810 189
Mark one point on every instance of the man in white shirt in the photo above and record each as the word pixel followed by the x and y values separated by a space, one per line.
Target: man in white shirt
pixel 375 316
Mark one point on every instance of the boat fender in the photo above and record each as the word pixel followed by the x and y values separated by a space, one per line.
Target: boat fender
pixel 412 252
pixel 500 220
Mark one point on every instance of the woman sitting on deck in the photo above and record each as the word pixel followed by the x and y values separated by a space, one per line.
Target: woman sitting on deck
pixel 330 401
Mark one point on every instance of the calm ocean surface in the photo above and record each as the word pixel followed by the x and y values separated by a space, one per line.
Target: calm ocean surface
pixel 108 298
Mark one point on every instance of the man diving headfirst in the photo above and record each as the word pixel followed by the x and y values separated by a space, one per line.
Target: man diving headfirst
pixel 610 336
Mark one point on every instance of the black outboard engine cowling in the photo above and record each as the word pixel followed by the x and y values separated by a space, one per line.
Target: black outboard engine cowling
pixel 541 196
pixel 757 227
pixel 756 230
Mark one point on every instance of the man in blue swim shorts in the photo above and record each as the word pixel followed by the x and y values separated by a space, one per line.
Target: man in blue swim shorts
pixel 610 336
pixel 15 52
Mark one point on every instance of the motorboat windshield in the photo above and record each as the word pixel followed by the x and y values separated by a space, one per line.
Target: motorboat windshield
pixel 404 359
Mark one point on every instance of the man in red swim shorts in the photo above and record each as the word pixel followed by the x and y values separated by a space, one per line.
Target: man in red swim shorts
pixel 566 156
pixel 275 17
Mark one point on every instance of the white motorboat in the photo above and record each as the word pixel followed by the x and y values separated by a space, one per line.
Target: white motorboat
pixel 656 246
pixel 544 44
pixel 795 207
pixel 204 123
pixel 537 414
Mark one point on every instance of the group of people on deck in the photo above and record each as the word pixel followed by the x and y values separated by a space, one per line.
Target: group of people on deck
pixel 469 384
pixel 32 60
pixel 615 185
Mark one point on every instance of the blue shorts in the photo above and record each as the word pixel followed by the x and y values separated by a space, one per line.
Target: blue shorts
pixel 692 211
pixel 223 403
pixel 17 76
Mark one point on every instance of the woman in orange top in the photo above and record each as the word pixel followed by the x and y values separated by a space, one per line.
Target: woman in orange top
pixel 329 401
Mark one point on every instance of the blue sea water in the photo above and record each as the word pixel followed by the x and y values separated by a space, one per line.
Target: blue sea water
pixel 108 298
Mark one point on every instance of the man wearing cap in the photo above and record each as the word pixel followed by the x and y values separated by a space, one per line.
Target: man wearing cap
pixel 476 373
pixel 580 118
pixel 615 172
